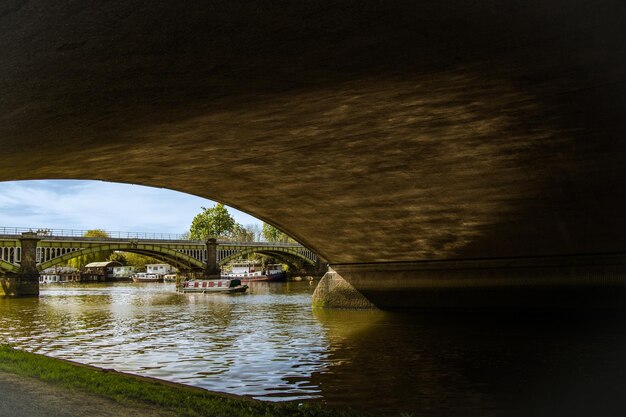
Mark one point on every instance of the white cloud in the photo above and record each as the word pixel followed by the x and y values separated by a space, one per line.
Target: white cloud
pixel 69 204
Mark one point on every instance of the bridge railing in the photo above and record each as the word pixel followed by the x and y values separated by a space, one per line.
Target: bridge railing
pixel 43 232
pixel 262 243
pixel 77 233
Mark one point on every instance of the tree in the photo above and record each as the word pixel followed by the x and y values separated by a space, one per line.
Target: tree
pixel 273 234
pixel 257 232
pixel 212 222
pixel 133 259
pixel 139 261
pixel 118 256
pixel 80 261
pixel 241 234
pixel 270 233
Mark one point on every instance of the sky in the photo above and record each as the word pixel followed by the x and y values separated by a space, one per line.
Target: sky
pixel 83 205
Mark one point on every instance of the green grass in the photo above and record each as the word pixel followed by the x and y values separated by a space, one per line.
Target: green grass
pixel 129 389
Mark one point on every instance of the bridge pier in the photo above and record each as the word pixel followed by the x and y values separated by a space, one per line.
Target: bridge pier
pixel 333 291
pixel 212 268
pixel 24 283
pixel 559 282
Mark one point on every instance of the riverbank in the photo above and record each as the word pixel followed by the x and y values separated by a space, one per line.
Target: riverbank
pixel 136 392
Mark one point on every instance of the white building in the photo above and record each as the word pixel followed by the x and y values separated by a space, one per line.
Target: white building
pixel 161 269
pixel 59 275
pixel 123 271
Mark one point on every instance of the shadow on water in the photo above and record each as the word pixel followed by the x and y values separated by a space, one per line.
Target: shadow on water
pixel 476 364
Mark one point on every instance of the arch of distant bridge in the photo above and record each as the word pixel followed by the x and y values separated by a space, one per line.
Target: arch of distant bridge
pixel 290 251
pixel 171 256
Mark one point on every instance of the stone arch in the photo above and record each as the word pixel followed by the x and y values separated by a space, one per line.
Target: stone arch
pixel 151 250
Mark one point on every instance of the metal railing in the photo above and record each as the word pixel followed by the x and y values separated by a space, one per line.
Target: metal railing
pixel 77 233
pixel 46 232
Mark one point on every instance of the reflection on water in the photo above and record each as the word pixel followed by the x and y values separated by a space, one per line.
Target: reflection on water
pixel 271 345
pixel 264 344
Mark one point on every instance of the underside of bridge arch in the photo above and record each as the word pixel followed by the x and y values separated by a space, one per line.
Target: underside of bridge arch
pixel 176 262
pixel 170 256
pixel 289 255
pixel 393 138
pixel 8 267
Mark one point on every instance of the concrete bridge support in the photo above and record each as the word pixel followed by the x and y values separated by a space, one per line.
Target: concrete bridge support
pixel 333 291
pixel 565 282
pixel 25 283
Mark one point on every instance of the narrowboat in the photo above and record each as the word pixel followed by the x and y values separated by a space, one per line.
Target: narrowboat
pixel 213 286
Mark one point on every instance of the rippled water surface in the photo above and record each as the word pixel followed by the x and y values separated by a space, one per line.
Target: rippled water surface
pixel 270 344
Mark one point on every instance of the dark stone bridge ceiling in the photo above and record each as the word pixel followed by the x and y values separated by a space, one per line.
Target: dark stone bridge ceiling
pixel 370 130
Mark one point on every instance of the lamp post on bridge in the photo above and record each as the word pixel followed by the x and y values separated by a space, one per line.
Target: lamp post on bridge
pixel 212 270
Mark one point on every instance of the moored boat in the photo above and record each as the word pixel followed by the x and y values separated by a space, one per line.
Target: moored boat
pixel 213 286
pixel 253 271
pixel 169 278
pixel 143 277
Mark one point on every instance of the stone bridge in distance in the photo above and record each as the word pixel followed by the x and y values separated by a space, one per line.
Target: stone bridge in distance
pixel 26 252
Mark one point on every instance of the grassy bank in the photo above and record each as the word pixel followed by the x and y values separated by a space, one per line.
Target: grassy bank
pixel 128 389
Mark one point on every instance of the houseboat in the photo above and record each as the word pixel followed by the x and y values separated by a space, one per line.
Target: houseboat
pixel 123 273
pixel 254 271
pixel 99 271
pixel 59 275
pixel 213 286
pixel 145 277
pixel 160 269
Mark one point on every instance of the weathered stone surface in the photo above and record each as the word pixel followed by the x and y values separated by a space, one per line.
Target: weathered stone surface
pixel 24 283
pixel 15 287
pixel 334 292
pixel 212 271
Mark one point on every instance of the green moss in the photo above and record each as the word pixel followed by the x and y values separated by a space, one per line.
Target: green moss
pixel 129 389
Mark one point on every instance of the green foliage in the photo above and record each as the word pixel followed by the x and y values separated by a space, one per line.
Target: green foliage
pixel 80 261
pixel 96 233
pixel 241 234
pixel 213 222
pixel 133 259
pixel 272 234
pixel 118 257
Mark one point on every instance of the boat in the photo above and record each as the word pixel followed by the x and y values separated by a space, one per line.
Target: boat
pixel 169 278
pixel 253 272
pixel 213 286
pixel 143 277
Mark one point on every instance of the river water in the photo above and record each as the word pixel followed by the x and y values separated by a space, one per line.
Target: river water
pixel 271 345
